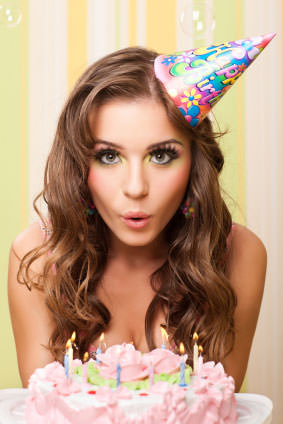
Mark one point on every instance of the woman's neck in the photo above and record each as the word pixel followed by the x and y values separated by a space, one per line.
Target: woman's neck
pixel 137 256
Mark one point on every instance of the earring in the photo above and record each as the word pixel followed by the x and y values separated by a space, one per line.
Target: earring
pixel 187 208
pixel 90 210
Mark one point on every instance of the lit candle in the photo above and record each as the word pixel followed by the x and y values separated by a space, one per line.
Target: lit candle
pixel 164 336
pixel 182 366
pixel 195 353
pixel 69 353
pixel 99 350
pixel 200 358
pixel 66 364
pixel 85 367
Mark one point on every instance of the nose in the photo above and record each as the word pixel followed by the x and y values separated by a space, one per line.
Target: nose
pixel 135 182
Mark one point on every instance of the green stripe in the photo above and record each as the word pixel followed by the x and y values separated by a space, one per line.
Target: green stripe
pixel 229 112
pixel 13 169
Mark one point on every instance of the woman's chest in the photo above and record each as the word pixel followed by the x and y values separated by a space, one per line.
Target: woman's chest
pixel 128 297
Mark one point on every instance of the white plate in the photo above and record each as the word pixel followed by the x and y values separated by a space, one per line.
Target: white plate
pixel 12 406
pixel 251 409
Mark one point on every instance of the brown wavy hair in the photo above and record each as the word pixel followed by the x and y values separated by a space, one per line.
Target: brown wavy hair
pixel 191 286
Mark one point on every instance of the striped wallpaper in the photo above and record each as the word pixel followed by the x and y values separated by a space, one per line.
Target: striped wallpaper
pixel 44 55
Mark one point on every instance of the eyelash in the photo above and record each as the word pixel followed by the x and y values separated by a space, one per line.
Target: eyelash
pixel 171 151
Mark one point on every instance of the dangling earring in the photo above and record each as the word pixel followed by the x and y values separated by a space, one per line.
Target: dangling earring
pixel 188 208
pixel 90 210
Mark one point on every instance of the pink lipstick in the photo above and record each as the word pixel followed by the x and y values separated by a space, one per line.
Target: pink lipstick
pixel 136 219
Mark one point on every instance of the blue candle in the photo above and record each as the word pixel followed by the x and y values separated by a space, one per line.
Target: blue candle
pixel 118 374
pixel 98 351
pixel 182 374
pixel 182 365
pixel 66 365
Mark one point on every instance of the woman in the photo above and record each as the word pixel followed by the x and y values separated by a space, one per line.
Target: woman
pixel 123 151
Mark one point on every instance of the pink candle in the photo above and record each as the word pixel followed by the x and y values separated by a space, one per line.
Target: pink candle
pixel 85 368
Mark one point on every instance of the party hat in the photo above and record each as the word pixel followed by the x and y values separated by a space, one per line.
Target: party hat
pixel 196 79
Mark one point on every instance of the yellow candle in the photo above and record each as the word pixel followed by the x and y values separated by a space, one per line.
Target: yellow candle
pixel 164 336
pixel 195 353
pixel 101 341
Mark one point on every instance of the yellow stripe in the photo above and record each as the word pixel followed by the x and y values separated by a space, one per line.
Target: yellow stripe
pixel 24 115
pixel 161 31
pixel 77 40
pixel 240 125
pixel 132 22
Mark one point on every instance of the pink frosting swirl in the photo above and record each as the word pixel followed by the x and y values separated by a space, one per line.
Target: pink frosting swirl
pixel 66 387
pixel 163 361
pixel 135 365
pixel 53 372
pixel 131 361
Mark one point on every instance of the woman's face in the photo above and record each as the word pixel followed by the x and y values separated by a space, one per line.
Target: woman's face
pixel 128 174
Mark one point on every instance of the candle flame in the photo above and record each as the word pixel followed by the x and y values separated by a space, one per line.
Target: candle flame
pixel 182 348
pixel 101 338
pixel 200 349
pixel 86 355
pixel 73 337
pixel 195 337
pixel 68 344
pixel 164 334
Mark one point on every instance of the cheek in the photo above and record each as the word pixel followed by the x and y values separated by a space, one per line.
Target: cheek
pixel 178 179
pixel 97 181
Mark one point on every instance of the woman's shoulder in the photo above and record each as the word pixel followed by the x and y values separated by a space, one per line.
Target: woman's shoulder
pixel 244 240
pixel 248 257
pixel 28 239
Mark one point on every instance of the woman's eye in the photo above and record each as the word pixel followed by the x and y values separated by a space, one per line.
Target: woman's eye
pixel 109 154
pixel 169 152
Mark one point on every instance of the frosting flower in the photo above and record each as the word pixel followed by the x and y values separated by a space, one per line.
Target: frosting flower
pixel 163 361
pixel 53 372
pixel 131 361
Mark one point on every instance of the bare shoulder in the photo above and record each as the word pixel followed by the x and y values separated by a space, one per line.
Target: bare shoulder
pixel 28 239
pixel 244 238
pixel 248 255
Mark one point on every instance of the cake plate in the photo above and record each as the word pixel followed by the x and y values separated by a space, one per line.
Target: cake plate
pixel 251 408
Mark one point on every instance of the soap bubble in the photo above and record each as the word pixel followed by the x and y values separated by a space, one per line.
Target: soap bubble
pixel 10 15
pixel 197 19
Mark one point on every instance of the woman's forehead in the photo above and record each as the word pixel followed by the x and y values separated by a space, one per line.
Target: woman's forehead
pixel 122 121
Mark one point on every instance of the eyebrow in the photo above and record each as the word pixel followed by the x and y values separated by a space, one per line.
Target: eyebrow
pixel 151 146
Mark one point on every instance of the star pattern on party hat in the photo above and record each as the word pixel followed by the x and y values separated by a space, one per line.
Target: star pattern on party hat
pixel 197 79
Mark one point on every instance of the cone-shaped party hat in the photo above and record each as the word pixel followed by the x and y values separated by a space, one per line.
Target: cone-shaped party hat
pixel 196 79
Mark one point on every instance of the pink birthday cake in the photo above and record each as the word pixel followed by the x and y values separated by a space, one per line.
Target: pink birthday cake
pixel 125 386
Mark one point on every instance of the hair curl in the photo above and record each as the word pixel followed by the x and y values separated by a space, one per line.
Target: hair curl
pixel 192 286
